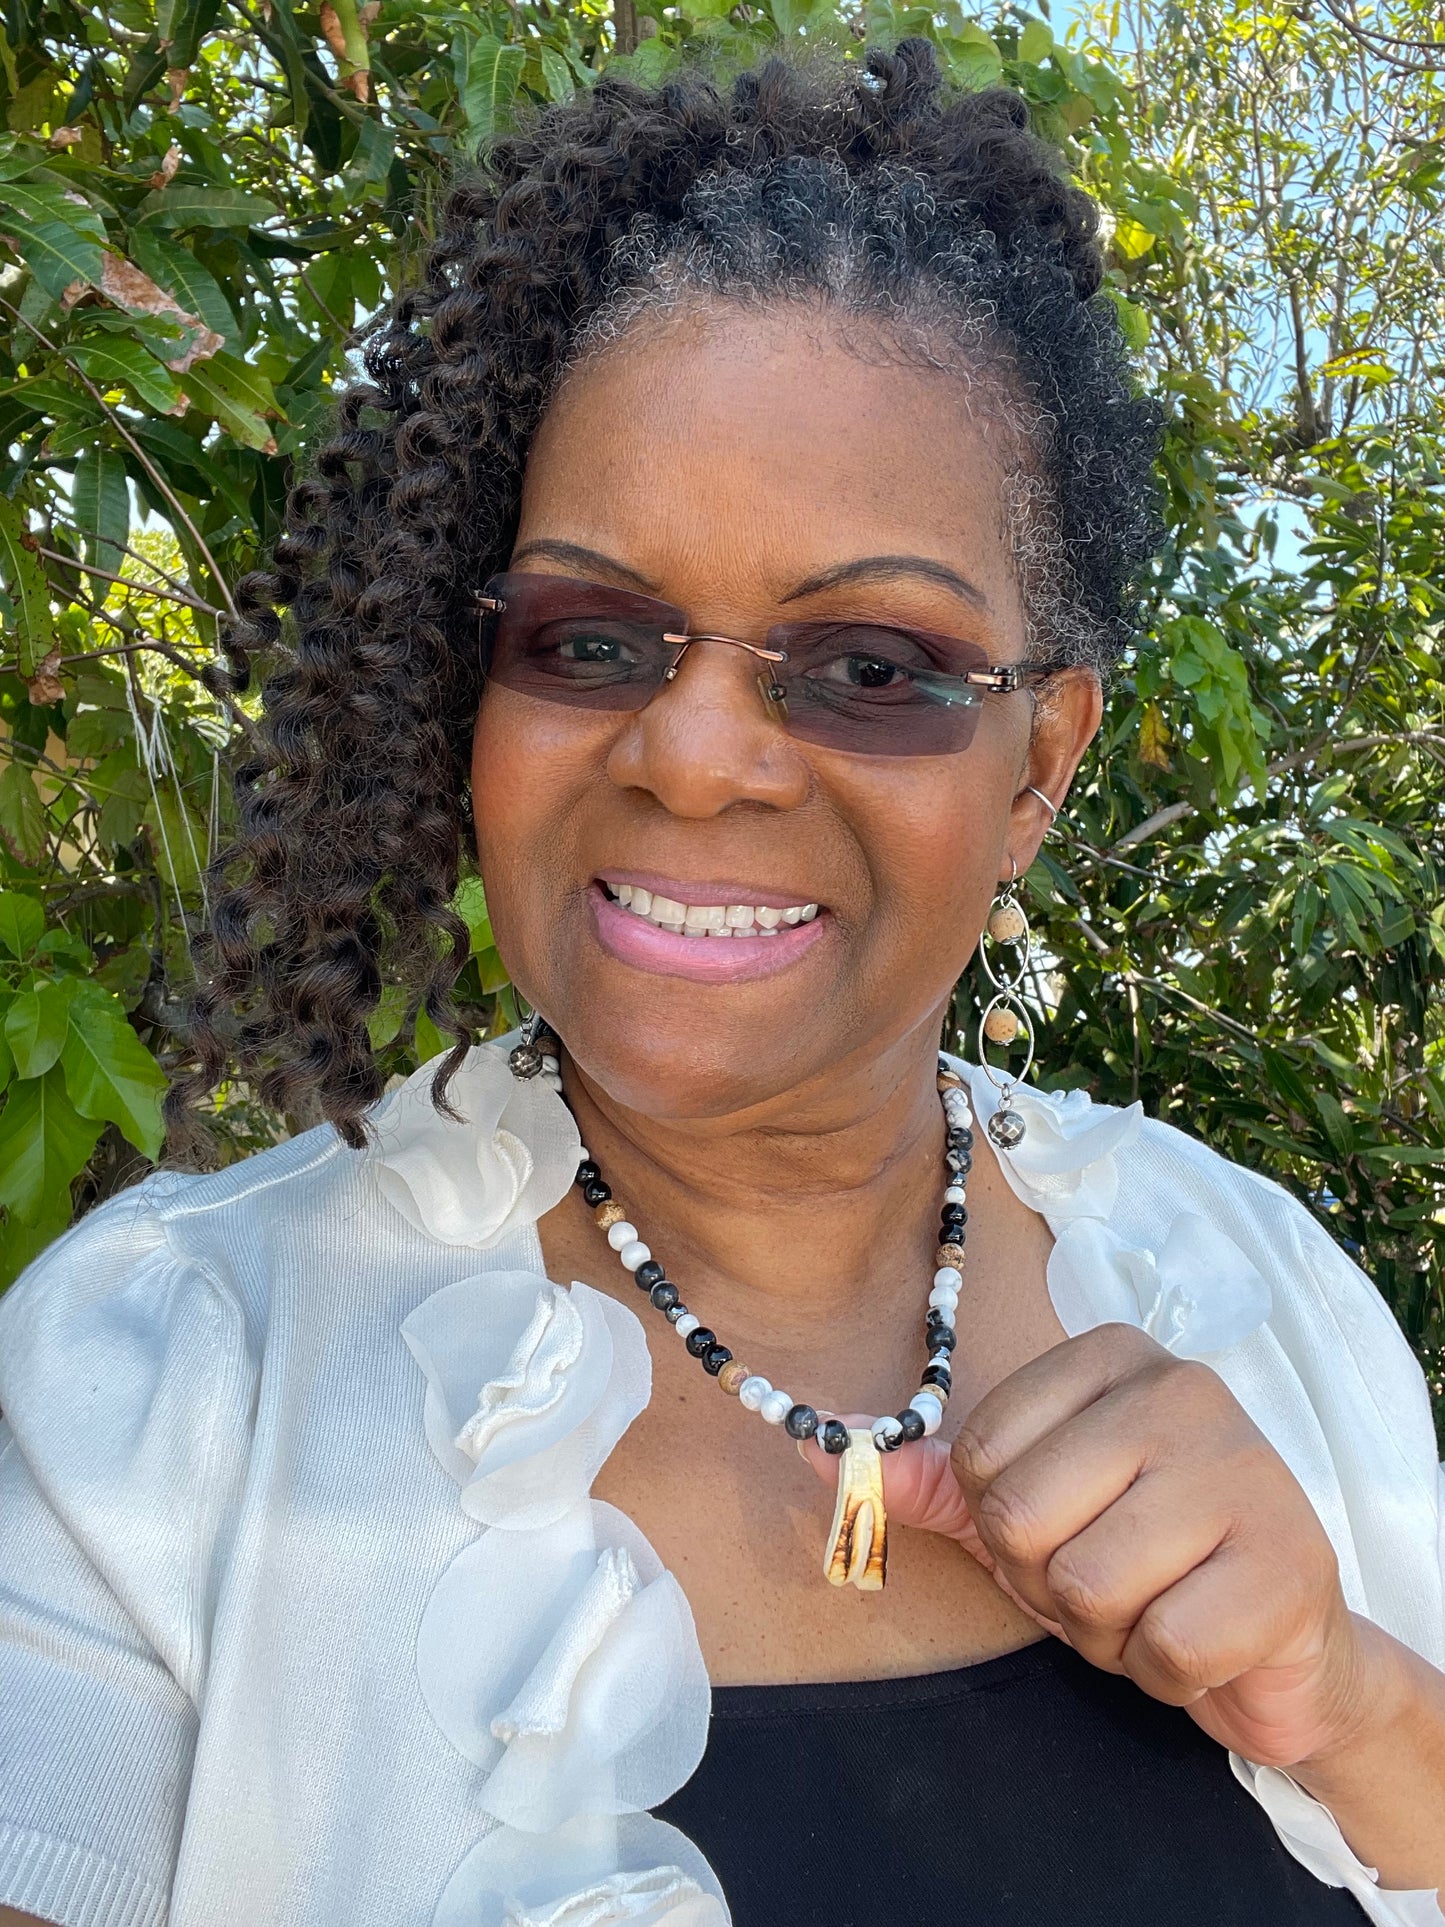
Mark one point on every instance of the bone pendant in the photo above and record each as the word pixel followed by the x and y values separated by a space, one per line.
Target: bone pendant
pixel 858 1545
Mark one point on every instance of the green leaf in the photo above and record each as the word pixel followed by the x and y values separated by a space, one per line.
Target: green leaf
pixel 29 591
pixel 494 73
pixel 100 503
pixel 60 238
pixel 110 1074
pixel 427 1039
pixel 44 1144
pixel 1036 42
pixel 173 267
pixel 237 397
pixel 35 1027
pixel 22 814
pixel 118 363
pixel 182 205
pixel 470 904
pixel 1338 1128
pixel 22 923
pixel 556 73
pixel 385 1022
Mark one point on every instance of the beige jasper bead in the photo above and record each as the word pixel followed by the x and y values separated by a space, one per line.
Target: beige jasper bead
pixel 610 1214
pixel 1007 923
pixel 950 1255
pixel 731 1377
pixel 1000 1026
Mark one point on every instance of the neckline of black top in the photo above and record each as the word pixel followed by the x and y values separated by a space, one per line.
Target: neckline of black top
pixel 785 1702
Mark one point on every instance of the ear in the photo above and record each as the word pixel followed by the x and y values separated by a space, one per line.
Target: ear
pixel 1067 714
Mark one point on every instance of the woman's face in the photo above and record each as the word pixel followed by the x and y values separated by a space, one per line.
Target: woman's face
pixel 752 468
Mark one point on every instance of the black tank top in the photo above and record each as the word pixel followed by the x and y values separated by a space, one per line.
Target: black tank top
pixel 1026 1791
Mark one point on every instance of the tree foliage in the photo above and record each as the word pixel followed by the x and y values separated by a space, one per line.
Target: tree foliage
pixel 1241 912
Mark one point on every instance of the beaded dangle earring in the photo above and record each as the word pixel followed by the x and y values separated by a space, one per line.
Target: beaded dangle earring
pixel 1006 1015
pixel 530 1057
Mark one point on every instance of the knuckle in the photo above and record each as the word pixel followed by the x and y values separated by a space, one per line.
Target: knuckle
pixel 1009 1522
pixel 1172 1650
pixel 977 1457
pixel 1082 1592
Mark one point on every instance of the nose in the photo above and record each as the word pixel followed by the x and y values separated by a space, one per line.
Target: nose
pixel 708 739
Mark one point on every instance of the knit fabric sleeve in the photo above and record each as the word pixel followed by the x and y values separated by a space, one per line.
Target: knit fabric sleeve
pixel 127 1389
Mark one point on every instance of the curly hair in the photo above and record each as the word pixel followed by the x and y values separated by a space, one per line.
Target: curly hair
pixel 868 185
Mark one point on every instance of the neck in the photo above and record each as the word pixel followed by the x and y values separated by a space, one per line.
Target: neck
pixel 823 1198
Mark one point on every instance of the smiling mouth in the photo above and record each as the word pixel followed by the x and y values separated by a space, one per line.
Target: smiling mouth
pixel 747 920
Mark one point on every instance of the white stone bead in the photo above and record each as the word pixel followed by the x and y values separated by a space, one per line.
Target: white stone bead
pixel 942 1298
pixel 687 1323
pixel 552 1064
pixel 929 1410
pixel 950 1277
pixel 886 1428
pixel 776 1407
pixel 634 1254
pixel 943 1358
pixel 752 1392
pixel 620 1234
pixel 584 1156
pixel 955 1194
pixel 552 1081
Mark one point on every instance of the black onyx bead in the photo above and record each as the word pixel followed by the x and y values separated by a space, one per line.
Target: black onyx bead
pixel 587 1172
pixel 801 1422
pixel 714 1358
pixel 834 1437
pixel 596 1191
pixel 698 1341
pixel 942 1338
pixel 663 1295
pixel 954 1214
pixel 937 1375
pixel 649 1274
pixel 912 1423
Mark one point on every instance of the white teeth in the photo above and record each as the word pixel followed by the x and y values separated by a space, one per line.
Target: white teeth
pixel 711 919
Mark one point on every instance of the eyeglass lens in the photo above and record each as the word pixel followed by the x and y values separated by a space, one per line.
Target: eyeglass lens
pixel 862 687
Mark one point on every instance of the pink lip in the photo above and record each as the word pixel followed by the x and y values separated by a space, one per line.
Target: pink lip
pixel 633 940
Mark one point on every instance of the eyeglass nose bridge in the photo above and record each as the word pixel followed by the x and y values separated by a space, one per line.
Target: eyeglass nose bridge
pixel 769 688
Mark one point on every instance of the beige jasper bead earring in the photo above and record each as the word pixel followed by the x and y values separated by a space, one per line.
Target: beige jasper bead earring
pixel 1005 1016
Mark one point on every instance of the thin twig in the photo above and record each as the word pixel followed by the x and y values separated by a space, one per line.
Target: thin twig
pixel 129 582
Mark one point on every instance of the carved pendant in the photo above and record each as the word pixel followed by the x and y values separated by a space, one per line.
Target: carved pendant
pixel 858 1544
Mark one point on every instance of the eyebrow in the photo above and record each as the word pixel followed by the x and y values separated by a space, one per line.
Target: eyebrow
pixel 574 555
pixel 888 568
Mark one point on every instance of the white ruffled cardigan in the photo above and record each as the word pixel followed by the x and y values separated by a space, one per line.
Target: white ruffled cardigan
pixel 307 1614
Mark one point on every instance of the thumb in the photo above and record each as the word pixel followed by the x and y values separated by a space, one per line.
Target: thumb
pixel 921 1489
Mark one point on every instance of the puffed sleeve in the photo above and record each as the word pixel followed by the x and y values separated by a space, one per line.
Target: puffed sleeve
pixel 127 1391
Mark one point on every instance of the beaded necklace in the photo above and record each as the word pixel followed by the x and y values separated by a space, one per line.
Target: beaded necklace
pixel 857 1551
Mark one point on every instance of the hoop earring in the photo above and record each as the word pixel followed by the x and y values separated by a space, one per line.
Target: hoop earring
pixel 1006 1014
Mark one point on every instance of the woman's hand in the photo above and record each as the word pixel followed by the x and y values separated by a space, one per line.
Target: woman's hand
pixel 1123 1498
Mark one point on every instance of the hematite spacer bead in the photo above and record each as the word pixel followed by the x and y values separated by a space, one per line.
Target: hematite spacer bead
pixel 698 1341
pixel 950 1254
pixel 834 1437
pixel 674 1312
pixel 587 1172
pixel 649 1274
pixel 801 1422
pixel 597 1191
pixel 663 1294
pixel 912 1423
pixel 714 1358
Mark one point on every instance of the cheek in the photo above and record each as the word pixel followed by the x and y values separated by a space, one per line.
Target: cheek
pixel 531 763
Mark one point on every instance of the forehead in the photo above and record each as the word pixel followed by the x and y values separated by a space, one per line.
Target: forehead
pixel 772 444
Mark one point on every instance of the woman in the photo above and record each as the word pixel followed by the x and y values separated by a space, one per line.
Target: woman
pixel 778 453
